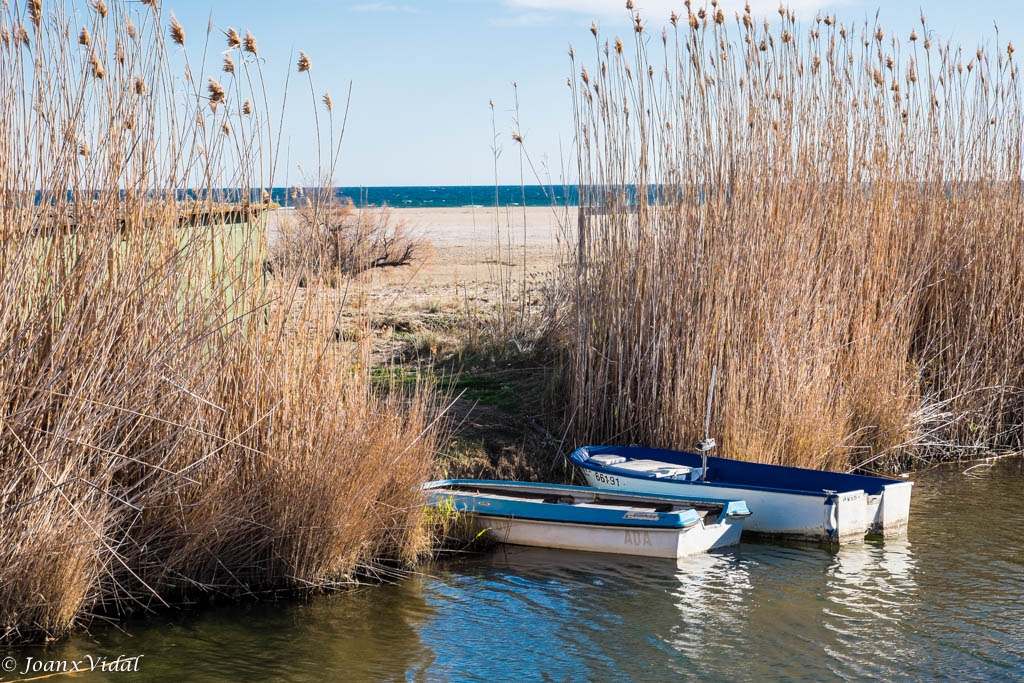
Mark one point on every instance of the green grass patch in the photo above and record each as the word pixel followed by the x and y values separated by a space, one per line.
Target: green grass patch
pixel 498 390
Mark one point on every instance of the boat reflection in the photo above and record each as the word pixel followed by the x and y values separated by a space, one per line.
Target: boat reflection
pixel 812 612
pixel 872 593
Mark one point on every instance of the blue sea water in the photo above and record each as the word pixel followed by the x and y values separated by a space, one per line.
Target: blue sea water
pixel 419 196
pixel 425 196
pixel 428 196
pixel 448 195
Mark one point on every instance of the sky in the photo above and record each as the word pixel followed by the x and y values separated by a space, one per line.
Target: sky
pixel 422 74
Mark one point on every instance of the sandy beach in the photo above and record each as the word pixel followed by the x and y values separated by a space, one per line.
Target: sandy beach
pixel 468 251
pixel 468 243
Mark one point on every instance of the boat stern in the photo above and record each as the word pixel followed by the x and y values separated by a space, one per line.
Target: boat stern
pixel 735 514
pixel 727 529
pixel 893 512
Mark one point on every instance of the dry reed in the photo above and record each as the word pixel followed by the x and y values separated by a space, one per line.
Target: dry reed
pixel 834 219
pixel 163 435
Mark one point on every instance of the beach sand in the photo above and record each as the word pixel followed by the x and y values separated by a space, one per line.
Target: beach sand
pixel 468 252
pixel 472 249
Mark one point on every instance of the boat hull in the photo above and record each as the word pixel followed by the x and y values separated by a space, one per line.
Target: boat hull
pixel 832 513
pixel 622 540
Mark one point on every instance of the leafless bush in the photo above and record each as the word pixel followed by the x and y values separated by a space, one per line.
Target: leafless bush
pixel 327 235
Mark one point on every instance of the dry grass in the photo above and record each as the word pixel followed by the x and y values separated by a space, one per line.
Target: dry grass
pixel 835 221
pixel 162 435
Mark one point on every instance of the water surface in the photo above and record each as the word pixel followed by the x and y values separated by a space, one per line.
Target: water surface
pixel 947 601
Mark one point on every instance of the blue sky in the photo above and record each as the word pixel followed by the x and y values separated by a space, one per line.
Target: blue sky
pixel 423 73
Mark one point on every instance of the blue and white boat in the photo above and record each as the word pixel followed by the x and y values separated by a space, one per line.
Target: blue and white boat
pixel 787 502
pixel 583 518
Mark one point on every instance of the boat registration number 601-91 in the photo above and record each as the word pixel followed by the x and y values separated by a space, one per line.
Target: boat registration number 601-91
pixel 607 479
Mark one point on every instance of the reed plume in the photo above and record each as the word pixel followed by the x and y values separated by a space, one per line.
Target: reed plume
pixel 98 71
pixel 250 43
pixel 215 90
pixel 177 33
pixel 35 12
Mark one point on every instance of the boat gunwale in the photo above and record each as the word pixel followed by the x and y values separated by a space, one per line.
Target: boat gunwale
pixel 564 513
pixel 637 495
pixel 686 525
pixel 670 480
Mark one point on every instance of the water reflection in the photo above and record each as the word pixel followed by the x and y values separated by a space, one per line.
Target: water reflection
pixel 711 606
pixel 971 617
pixel 807 613
pixel 871 591
pixel 797 612
pixel 570 615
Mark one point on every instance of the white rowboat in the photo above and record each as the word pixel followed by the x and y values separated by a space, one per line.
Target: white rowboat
pixel 581 518
pixel 787 502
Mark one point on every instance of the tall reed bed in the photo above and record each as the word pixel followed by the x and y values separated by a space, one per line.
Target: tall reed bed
pixel 164 433
pixel 834 221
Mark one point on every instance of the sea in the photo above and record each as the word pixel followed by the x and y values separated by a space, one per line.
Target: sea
pixel 441 196
pixel 399 196
pixel 413 196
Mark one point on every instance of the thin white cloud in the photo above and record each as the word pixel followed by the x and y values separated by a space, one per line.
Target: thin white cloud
pixel 659 10
pixel 385 7
pixel 524 19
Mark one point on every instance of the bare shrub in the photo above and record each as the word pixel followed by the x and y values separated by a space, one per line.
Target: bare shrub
pixel 328 235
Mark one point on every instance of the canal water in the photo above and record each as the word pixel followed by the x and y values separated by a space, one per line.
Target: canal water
pixel 947 602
